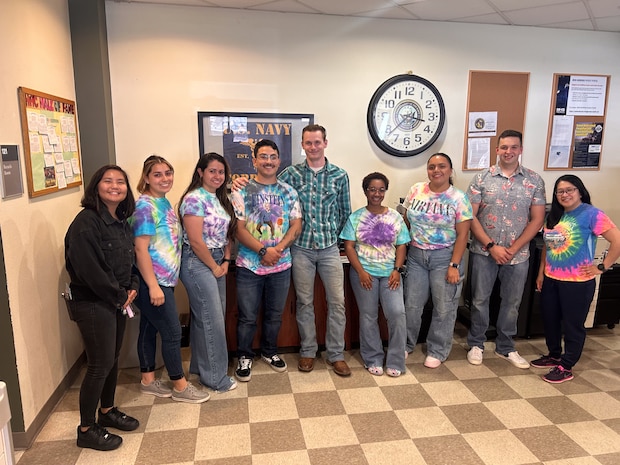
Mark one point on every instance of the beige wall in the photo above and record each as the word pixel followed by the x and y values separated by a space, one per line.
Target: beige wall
pixel 169 62
pixel 35 52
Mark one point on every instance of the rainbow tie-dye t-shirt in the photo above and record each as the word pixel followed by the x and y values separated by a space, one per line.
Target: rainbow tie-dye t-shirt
pixel 376 238
pixel 156 218
pixel 433 216
pixel 203 203
pixel 571 243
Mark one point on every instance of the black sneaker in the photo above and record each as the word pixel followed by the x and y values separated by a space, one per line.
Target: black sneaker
pixel 558 375
pixel 244 369
pixel 117 419
pixel 98 438
pixel 545 361
pixel 275 362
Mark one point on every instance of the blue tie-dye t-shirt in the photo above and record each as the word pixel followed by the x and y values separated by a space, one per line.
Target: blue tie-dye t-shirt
pixel 201 202
pixel 156 218
pixel 571 243
pixel 376 238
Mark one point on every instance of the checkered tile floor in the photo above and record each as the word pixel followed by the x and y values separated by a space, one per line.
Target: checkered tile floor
pixel 457 414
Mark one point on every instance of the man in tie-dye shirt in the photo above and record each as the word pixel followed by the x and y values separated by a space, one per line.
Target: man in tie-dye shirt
pixel 269 216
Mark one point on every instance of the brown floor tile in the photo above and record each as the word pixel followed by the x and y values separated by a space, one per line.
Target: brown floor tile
pixel 377 427
pixel 359 378
pixel 490 389
pixel 350 455
pixel 70 401
pixel 318 404
pixel 549 443
pixel 269 384
pixel 447 450
pixel 51 452
pixel 244 460
pixel 167 447
pixel 405 397
pixel 578 385
pixel 429 375
pixel 276 436
pixel 605 459
pixel 502 367
pixel 224 412
pixel 613 424
pixel 560 409
pixel 472 418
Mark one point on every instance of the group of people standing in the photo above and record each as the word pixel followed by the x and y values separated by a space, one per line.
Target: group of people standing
pixel 288 226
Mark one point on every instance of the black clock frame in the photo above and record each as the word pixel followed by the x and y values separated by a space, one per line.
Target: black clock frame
pixel 375 98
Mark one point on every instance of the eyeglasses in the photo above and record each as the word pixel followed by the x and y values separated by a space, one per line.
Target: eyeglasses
pixel 568 190
pixel 265 157
pixel 374 190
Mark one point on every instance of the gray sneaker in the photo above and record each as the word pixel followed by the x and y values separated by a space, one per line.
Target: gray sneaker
pixel 157 388
pixel 191 394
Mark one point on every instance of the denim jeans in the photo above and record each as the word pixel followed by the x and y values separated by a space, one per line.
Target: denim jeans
pixel 565 305
pixel 207 334
pixel 164 320
pixel 306 262
pixel 371 346
pixel 271 291
pixel 484 272
pixel 426 271
pixel 102 328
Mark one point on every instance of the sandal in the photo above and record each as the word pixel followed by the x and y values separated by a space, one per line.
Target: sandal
pixel 377 371
pixel 393 372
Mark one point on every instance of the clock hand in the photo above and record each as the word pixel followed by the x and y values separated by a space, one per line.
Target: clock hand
pixel 406 118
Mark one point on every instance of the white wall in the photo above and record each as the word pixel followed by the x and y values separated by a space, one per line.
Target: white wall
pixel 36 53
pixel 167 63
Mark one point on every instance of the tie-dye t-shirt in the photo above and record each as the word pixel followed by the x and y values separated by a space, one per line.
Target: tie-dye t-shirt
pixel 266 210
pixel 156 218
pixel 433 216
pixel 376 238
pixel 203 203
pixel 571 242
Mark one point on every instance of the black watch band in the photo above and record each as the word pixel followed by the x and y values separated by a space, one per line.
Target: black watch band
pixel 400 269
pixel 262 252
pixel 489 246
pixel 602 268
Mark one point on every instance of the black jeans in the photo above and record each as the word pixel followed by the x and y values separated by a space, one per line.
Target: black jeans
pixel 102 329
pixel 565 306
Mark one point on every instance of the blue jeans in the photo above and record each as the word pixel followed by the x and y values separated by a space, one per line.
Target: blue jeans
pixel 426 272
pixel 207 299
pixel 484 272
pixel 306 262
pixel 565 305
pixel 271 291
pixel 102 328
pixel 165 321
pixel 371 346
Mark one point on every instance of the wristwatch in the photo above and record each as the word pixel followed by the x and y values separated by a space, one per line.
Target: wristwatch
pixel 489 245
pixel 455 265
pixel 400 269
pixel 602 268
pixel 262 252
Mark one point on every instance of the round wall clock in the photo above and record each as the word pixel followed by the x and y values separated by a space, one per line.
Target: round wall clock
pixel 406 115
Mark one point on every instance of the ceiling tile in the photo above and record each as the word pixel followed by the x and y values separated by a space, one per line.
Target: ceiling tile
pixel 508 5
pixel 601 8
pixel 347 7
pixel 445 10
pixel 611 24
pixel 285 6
pixel 493 18
pixel 389 13
pixel 552 14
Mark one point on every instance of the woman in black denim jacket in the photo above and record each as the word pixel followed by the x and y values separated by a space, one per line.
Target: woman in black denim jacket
pixel 99 257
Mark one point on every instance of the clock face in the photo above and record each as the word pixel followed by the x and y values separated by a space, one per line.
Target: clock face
pixel 406 115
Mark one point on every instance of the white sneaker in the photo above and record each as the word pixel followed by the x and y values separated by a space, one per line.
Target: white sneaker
pixel 514 358
pixel 474 356
pixel 431 362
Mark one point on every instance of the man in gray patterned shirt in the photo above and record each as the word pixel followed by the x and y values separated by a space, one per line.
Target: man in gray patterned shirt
pixel 508 202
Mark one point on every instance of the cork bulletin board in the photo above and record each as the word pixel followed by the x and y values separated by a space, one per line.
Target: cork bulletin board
pixel 496 101
pixel 51 144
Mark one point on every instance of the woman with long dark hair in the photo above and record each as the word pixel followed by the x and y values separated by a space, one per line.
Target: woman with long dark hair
pixel 99 257
pixel 567 273
pixel 209 226
pixel 158 257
